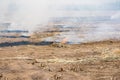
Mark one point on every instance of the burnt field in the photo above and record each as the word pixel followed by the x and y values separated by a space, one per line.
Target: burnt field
pixel 60 40
pixel 33 58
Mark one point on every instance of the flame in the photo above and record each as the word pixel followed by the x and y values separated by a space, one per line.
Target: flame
pixel 64 41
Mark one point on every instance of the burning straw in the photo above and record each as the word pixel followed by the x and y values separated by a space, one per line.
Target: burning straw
pixel 61 44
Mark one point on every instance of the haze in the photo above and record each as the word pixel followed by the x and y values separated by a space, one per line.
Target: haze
pixel 28 13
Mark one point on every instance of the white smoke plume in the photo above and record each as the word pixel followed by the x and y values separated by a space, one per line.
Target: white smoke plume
pixel 25 14
pixel 115 16
pixel 28 13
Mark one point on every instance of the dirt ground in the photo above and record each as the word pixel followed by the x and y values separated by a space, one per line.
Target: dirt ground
pixel 24 60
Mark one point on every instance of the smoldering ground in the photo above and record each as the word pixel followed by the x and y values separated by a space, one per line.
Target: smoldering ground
pixel 28 14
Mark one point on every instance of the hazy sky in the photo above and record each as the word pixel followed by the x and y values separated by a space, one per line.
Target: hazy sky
pixel 50 7
pixel 32 12
pixel 87 4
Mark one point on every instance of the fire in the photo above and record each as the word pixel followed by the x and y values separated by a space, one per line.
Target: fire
pixel 64 41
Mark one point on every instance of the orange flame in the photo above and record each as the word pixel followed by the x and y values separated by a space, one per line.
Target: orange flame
pixel 64 41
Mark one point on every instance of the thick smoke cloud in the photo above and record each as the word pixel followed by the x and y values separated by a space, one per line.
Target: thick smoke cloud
pixel 116 16
pixel 25 13
pixel 31 12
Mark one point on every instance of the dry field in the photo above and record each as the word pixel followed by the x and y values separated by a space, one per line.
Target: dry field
pixel 34 60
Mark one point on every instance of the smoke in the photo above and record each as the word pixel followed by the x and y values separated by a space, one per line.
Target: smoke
pixel 32 12
pixel 103 31
pixel 89 32
pixel 25 14
pixel 28 14
pixel 115 16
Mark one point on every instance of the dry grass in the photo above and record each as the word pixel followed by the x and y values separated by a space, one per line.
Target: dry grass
pixel 110 55
pixel 59 45
pixel 98 61
pixel 38 36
